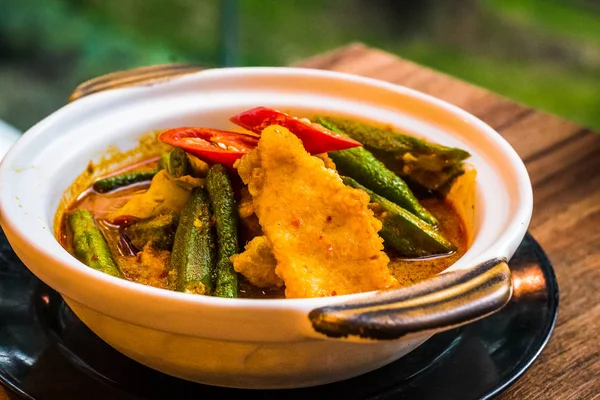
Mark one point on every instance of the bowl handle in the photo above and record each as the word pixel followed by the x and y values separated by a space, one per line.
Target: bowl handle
pixel 443 302
pixel 133 77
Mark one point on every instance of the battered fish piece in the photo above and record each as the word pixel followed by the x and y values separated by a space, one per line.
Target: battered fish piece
pixel 328 162
pixel 257 264
pixel 248 221
pixel 323 235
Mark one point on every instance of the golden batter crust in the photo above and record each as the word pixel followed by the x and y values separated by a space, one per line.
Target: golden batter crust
pixel 323 235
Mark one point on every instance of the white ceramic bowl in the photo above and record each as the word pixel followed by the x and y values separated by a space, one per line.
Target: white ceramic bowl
pixel 247 342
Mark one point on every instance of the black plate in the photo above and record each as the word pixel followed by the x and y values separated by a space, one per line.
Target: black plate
pixel 46 352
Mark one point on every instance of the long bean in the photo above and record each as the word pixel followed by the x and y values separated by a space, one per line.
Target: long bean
pixel 118 181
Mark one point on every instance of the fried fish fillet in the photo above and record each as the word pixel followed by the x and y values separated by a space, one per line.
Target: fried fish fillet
pixel 257 264
pixel 323 235
pixel 248 221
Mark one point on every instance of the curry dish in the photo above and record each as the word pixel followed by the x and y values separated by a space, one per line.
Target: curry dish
pixel 281 207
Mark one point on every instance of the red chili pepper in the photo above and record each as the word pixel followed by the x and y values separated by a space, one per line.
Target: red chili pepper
pixel 223 147
pixel 210 145
pixel 316 138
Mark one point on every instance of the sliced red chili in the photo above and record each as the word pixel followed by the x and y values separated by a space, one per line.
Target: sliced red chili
pixel 316 138
pixel 210 145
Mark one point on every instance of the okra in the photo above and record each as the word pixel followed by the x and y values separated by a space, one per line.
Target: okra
pixel 176 162
pixel 226 222
pixel 179 163
pixel 193 254
pixel 360 164
pixel 160 231
pixel 89 244
pixel 424 165
pixel 163 160
pixel 118 181
pixel 403 231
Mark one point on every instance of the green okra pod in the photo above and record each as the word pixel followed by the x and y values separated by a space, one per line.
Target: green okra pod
pixel 403 231
pixel 179 164
pixel 361 165
pixel 226 222
pixel 176 162
pixel 424 165
pixel 163 160
pixel 89 244
pixel 193 254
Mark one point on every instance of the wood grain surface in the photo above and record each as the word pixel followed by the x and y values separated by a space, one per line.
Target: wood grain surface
pixel 563 160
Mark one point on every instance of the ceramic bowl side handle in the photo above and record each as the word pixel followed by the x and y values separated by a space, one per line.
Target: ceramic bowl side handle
pixel 133 77
pixel 437 304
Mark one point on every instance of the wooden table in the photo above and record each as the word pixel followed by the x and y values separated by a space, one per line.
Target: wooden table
pixel 563 160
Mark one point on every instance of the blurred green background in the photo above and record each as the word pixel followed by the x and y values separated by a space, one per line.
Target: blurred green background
pixel 544 53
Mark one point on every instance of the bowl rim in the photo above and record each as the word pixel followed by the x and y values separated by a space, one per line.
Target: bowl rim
pixel 518 224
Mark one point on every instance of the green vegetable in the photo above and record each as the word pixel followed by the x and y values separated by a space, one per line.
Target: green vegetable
pixel 160 231
pixel 118 181
pixel 422 164
pixel 88 243
pixel 361 165
pixel 179 163
pixel 193 258
pixel 163 161
pixel 401 230
pixel 226 222
pixel 176 163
